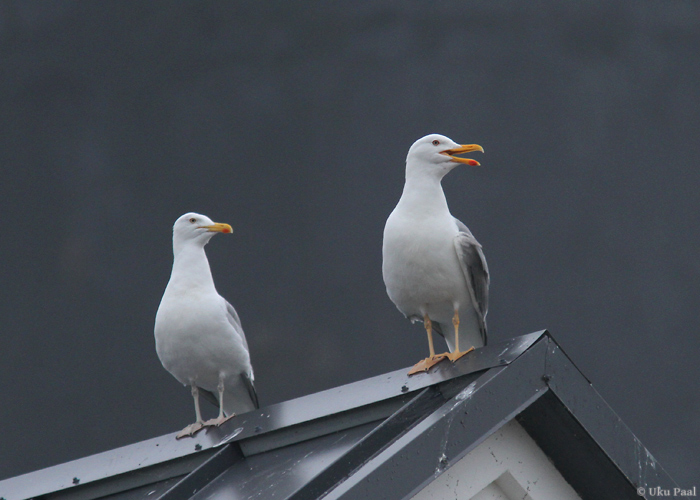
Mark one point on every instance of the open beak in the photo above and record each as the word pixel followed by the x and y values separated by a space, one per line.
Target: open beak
pixel 466 148
pixel 218 227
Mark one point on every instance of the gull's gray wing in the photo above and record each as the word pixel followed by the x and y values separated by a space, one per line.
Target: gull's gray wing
pixel 248 382
pixel 235 321
pixel 476 272
pixel 247 378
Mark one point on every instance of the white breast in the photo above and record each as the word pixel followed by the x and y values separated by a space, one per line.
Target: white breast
pixel 196 343
pixel 420 266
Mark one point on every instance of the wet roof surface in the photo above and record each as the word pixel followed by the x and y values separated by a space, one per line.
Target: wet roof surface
pixel 356 440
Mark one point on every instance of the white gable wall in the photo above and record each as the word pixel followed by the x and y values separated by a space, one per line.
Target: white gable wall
pixel 508 465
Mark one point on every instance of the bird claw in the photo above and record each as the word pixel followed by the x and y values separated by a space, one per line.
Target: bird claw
pixel 454 356
pixel 190 430
pixel 216 422
pixel 427 363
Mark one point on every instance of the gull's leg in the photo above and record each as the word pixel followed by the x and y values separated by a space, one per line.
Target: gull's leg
pixel 427 363
pixel 456 354
pixel 192 429
pixel 429 328
pixel 195 395
pixel 221 418
pixel 220 388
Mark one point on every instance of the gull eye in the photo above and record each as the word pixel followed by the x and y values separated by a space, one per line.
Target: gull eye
pixel 193 220
pixel 436 142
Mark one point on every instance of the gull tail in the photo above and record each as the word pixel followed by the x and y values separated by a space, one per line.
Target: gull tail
pixel 472 333
pixel 239 396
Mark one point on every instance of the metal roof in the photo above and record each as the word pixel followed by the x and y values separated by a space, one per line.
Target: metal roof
pixel 355 440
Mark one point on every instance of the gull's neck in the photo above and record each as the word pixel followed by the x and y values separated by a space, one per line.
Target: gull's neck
pixel 423 194
pixel 190 268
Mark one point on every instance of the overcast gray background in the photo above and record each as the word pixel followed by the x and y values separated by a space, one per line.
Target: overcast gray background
pixel 291 121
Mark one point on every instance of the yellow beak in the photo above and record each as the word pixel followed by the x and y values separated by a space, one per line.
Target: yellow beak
pixel 465 148
pixel 218 227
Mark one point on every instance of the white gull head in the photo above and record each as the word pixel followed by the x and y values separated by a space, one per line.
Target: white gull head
pixel 195 229
pixel 433 155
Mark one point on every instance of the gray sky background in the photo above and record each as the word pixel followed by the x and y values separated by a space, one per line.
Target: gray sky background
pixel 291 121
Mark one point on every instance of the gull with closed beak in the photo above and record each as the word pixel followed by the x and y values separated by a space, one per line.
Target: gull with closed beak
pixel 199 337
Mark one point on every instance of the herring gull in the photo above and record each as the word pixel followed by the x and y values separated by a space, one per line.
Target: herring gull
pixel 199 337
pixel 433 267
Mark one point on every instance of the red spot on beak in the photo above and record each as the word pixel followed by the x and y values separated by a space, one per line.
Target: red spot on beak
pixel 473 163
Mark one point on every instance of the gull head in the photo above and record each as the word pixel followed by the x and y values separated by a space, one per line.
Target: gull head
pixel 196 228
pixel 435 154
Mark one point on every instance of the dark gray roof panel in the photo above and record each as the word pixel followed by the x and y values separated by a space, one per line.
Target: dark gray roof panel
pixel 384 437
pixel 280 473
pixel 573 451
pixel 370 391
pixel 442 438
pixel 535 389
pixel 261 430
